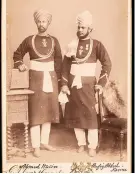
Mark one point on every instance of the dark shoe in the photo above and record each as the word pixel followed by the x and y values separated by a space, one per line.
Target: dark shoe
pixel 36 152
pixel 80 149
pixel 48 147
pixel 92 152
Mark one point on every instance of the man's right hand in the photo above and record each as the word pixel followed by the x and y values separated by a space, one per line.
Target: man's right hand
pixel 22 68
pixel 65 89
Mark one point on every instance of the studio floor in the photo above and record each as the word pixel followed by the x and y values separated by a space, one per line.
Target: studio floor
pixel 64 141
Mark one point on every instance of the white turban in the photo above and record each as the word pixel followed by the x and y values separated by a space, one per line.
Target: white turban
pixel 44 13
pixel 84 18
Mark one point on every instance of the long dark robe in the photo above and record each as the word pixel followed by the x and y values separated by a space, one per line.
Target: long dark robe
pixel 80 111
pixel 43 107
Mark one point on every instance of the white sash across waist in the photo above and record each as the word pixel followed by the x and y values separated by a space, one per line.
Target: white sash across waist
pixel 85 69
pixel 78 70
pixel 41 66
pixel 45 67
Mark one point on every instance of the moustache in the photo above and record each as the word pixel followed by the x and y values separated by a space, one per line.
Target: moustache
pixel 41 27
pixel 79 33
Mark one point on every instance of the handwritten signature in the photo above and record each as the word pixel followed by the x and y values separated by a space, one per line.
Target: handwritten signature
pixel 95 167
pixel 26 168
pixel 114 167
pixel 81 167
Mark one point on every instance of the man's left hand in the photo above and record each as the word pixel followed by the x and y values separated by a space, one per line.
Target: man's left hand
pixel 99 88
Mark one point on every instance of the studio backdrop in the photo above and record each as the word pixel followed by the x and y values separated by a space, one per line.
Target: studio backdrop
pixel 110 26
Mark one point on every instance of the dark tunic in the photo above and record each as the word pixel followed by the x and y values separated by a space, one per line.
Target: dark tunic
pixel 80 110
pixel 43 106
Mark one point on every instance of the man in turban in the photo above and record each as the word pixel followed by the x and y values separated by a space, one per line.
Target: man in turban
pixel 78 80
pixel 44 74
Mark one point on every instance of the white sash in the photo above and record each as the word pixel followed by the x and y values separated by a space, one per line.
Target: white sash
pixel 45 67
pixel 79 70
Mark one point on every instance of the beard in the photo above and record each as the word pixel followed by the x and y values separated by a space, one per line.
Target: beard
pixel 84 36
pixel 41 29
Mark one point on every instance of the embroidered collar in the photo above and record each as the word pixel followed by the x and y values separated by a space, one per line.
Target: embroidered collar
pixel 41 55
pixel 46 34
pixel 72 50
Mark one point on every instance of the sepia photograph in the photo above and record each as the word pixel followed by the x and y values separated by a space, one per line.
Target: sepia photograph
pixel 66 86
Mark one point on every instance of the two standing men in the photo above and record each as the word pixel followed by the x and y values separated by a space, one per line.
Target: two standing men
pixel 76 74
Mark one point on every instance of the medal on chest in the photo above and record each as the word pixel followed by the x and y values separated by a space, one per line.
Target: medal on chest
pixel 44 43
pixel 80 50
pixel 87 47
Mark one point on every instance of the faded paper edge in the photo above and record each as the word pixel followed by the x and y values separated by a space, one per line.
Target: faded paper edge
pixel 5 164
